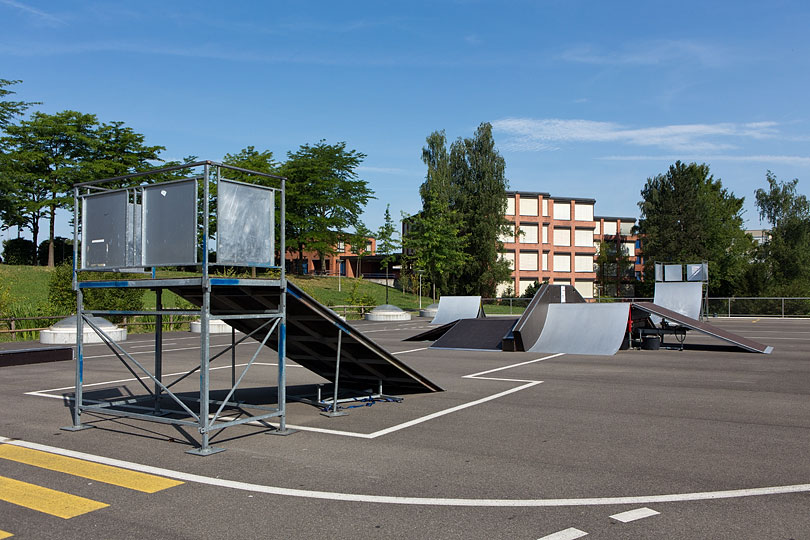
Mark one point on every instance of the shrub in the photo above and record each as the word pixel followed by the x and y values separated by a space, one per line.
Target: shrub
pixel 18 251
pixel 62 251
pixel 63 298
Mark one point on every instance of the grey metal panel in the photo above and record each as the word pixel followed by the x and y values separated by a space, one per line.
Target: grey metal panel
pixel 659 272
pixel 104 230
pixel 697 272
pixel 170 224
pixel 596 329
pixel 245 219
pixel 684 297
pixel 708 329
pixel 453 308
pixel 673 272
pixel 134 231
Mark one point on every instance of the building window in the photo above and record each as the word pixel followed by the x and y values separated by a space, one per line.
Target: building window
pixel 610 228
pixel 545 261
pixel 528 260
pixel 545 234
pixel 341 246
pixel 529 235
pixel 562 263
pixel 626 228
pixel 562 236
pixel 508 256
pixel 510 206
pixel 583 263
pixel 597 229
pixel 528 206
pixel 545 207
pixel 508 238
pixel 562 210
pixel 585 288
pixel 583 237
pixel 583 212
pixel 628 249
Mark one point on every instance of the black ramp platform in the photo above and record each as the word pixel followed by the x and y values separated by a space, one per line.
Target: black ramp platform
pixel 477 334
pixel 708 329
pixel 530 325
pixel 312 335
pixel 21 357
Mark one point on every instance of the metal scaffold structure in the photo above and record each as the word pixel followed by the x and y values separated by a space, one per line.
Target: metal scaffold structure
pixel 164 218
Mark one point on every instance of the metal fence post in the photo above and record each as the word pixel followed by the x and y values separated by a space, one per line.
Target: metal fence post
pixel 729 306
pixel 783 308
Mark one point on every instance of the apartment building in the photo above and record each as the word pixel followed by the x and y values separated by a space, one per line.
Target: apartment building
pixel 557 238
pixel 619 231
pixel 344 261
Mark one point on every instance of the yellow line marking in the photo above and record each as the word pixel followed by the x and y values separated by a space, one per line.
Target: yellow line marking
pixel 755 320
pixel 49 501
pixel 117 476
pixel 4 534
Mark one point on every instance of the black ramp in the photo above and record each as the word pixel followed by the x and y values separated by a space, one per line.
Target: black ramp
pixel 477 334
pixel 708 329
pixel 35 356
pixel 433 334
pixel 530 325
pixel 312 332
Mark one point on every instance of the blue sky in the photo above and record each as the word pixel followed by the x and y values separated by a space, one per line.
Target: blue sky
pixel 587 99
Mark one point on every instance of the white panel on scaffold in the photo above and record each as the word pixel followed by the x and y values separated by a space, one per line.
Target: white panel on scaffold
pixel 673 272
pixel 245 223
pixel 453 308
pixel 585 328
pixel 684 297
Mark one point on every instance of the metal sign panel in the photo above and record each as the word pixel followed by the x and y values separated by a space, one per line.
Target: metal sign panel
pixel 673 272
pixel 170 224
pixel 697 272
pixel 104 230
pixel 245 224
pixel 682 297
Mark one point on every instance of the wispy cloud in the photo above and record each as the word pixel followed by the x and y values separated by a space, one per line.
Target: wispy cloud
pixel 383 170
pixel 803 161
pixel 528 134
pixel 649 54
pixel 41 16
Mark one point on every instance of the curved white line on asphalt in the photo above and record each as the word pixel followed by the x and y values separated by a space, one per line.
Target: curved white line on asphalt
pixel 421 501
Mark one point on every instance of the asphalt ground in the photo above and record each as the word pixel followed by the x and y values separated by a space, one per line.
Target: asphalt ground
pixel 707 442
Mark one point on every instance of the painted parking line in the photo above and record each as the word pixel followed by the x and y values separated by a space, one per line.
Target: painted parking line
pixel 633 515
pixel 48 501
pixel 137 481
pixel 568 534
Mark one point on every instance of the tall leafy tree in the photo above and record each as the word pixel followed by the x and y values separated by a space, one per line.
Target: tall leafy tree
pixel 358 241
pixel 10 109
pixel 688 216
pixel 478 193
pixel 48 153
pixel 324 195
pixel 784 259
pixel 387 244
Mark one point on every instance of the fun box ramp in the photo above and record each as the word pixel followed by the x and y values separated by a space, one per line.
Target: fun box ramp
pixel 530 325
pixel 684 297
pixel 705 328
pixel 312 337
pixel 453 308
pixel 476 334
pixel 594 329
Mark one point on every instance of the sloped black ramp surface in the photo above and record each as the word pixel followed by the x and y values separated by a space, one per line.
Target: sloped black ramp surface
pixel 478 334
pixel 21 357
pixel 530 325
pixel 708 329
pixel 312 332
pixel 433 334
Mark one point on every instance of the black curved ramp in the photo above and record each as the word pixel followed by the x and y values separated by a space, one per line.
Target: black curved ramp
pixel 528 328
pixel 476 334
pixel 312 336
pixel 705 328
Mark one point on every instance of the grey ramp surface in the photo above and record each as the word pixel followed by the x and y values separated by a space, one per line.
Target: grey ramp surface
pixel 596 329
pixel 453 308
pixel 684 297
pixel 312 331
pixel 530 325
pixel 477 334
pixel 705 328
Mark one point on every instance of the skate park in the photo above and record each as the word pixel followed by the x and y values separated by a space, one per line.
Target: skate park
pixel 456 443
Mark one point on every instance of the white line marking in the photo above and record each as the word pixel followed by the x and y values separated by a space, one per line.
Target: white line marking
pixel 567 534
pixel 633 515
pixel 410 351
pixel 427 501
pixel 476 375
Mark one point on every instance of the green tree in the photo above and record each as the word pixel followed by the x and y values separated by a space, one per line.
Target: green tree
pixel 478 194
pixel 612 265
pixel 358 241
pixel 49 153
pixel 10 109
pixel 324 196
pixel 784 259
pixel 387 244
pixel 688 216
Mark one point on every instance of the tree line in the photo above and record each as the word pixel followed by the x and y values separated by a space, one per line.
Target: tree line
pixel 43 155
